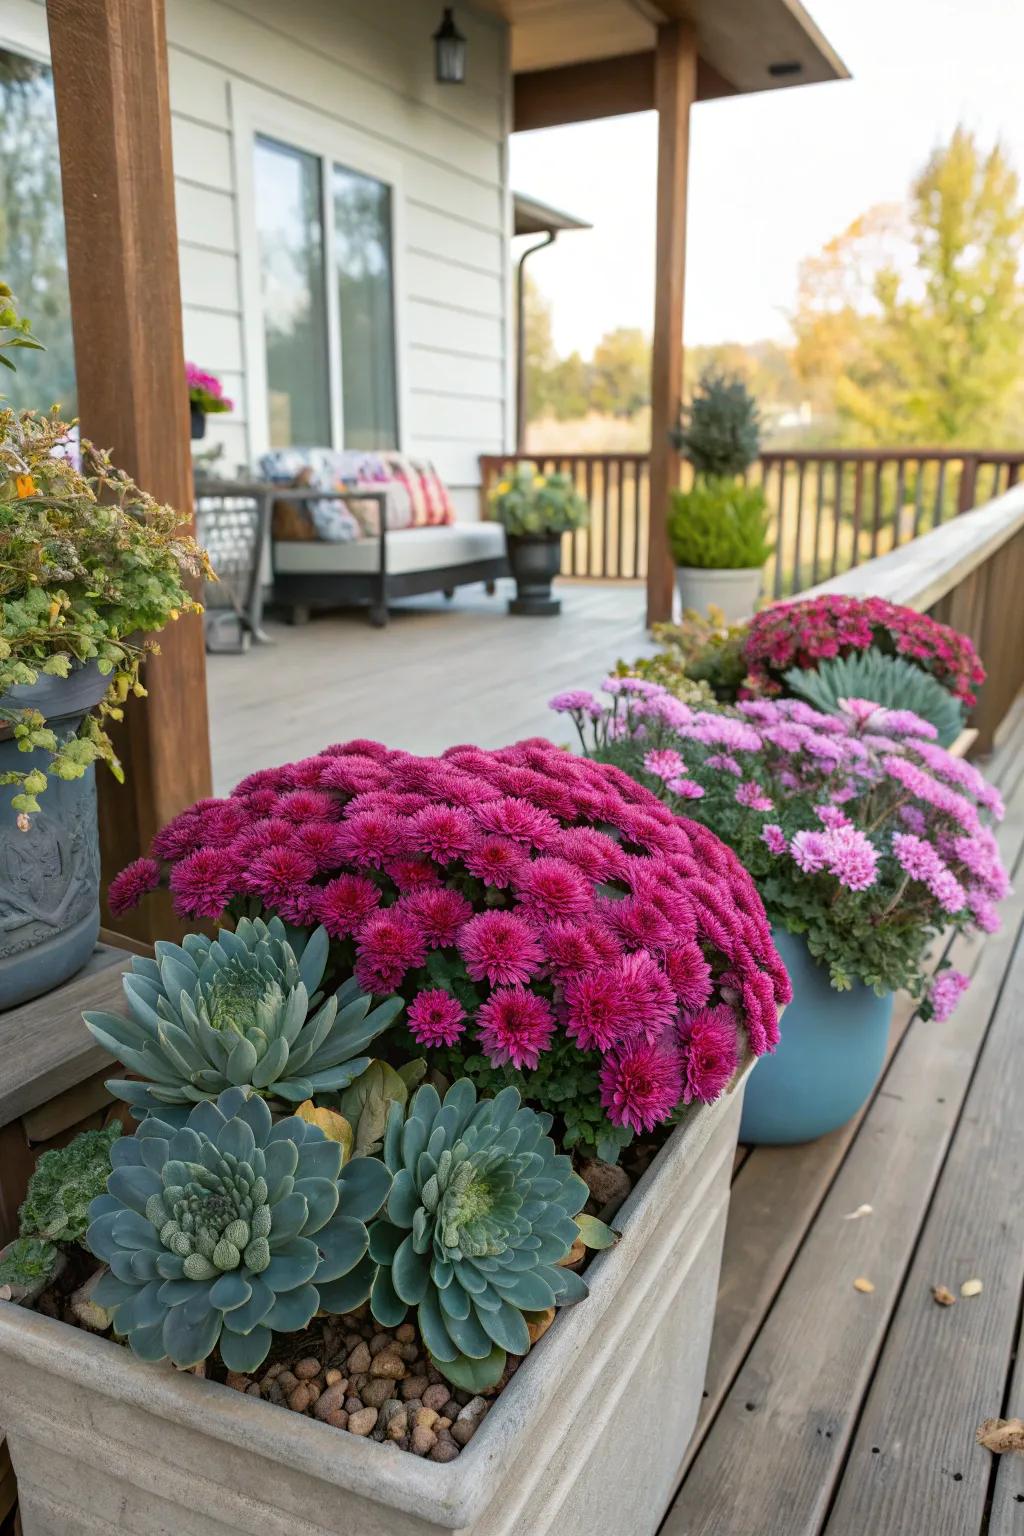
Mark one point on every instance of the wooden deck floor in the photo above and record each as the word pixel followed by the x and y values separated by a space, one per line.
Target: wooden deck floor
pixel 831 1410
pixel 439 674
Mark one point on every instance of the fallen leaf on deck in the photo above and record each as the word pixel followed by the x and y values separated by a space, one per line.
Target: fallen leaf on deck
pixel 943 1295
pixel 971 1288
pixel 865 1286
pixel 1001 1435
pixel 862 1210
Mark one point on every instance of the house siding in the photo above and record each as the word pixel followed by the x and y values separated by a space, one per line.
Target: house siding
pixel 365 69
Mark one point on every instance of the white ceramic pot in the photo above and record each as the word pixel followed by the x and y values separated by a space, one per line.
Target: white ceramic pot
pixel 588 1436
pixel 736 592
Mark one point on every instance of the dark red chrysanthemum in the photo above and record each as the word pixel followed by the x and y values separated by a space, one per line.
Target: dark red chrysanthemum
pixel 500 947
pixel 127 889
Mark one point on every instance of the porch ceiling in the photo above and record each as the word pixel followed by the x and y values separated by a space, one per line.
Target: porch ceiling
pixel 744 45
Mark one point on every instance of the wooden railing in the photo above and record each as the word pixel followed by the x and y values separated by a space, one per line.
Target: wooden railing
pixel 832 508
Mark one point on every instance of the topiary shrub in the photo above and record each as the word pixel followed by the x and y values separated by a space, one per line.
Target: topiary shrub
pixel 720 525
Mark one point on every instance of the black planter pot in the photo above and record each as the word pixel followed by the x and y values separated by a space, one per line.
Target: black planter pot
pixel 49 874
pixel 535 560
pixel 198 421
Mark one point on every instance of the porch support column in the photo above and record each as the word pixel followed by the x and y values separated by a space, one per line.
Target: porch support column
pixel 114 124
pixel 675 88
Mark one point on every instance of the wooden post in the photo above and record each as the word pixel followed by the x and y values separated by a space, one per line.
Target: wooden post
pixel 114 124
pixel 675 85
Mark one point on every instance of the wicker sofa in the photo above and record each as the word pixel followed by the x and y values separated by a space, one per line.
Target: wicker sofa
pixel 367 529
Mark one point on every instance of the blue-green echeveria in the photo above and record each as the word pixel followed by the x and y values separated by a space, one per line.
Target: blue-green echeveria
pixel 228 1230
pixel 208 1014
pixel 479 1218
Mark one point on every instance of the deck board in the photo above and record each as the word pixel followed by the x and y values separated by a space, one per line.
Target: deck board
pixel 794 1341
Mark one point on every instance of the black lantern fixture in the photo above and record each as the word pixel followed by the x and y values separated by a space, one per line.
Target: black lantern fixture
pixel 449 51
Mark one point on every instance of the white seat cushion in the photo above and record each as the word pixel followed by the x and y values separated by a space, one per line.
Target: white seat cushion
pixel 409 549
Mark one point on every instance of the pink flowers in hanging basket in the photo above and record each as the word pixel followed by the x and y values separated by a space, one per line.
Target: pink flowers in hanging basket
pixel 537 910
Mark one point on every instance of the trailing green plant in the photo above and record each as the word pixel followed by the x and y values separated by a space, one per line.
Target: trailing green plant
pixel 28 1262
pixel 229 1230
pixel 887 680
pixel 531 503
pixel 64 1184
pixel 89 563
pixel 241 1010
pixel 720 525
pixel 478 1224
pixel 720 430
pixel 15 330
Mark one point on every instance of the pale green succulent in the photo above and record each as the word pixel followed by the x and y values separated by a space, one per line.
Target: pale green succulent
pixel 890 681
pixel 479 1218
pixel 65 1182
pixel 227 1229
pixel 234 1011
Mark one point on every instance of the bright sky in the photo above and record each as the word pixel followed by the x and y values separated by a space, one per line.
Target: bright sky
pixel 772 176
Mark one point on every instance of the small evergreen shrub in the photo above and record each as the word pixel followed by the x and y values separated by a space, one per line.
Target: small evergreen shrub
pixel 720 525
pixel 719 432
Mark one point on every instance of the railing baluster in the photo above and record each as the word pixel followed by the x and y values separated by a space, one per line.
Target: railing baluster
pixel 897 521
pixel 876 516
pixel 858 502
pixel 638 516
pixel 940 491
pixel 798 542
pixel 837 517
pixel 820 502
pixel 780 522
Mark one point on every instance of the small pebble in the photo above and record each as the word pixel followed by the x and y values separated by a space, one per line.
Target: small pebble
pixel 253 1389
pixel 353 1404
pixel 380 1342
pixel 287 1381
pixel 414 1386
pixel 444 1450
pixel 426 1418
pixel 306 1369
pixel 405 1333
pixel 443 1423
pixel 299 1398
pixel 331 1401
pixel 236 1381
pixel 273 1371
pixel 332 1377
pixel 435 1397
pixel 388 1365
pixel 376 1392
pixel 398 1426
pixel 422 1440
pixel 463 1431
pixel 362 1423
pixel 451 1408
pixel 359 1359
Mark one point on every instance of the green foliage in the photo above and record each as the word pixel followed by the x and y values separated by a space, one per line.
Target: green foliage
pixel 479 1217
pixel 88 562
pixel 65 1182
pixel 890 681
pixel 15 330
pixel 530 503
pixel 667 670
pixel 209 1231
pixel 720 430
pixel 236 1012
pixel 703 648
pixel 720 525
pixel 28 1262
pixel 366 1102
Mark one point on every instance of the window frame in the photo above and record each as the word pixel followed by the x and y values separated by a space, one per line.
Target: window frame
pixel 259 114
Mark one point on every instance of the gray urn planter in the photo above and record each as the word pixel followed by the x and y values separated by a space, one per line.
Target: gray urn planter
pixel 536 560
pixel 49 874
pixel 735 591
pixel 588 1436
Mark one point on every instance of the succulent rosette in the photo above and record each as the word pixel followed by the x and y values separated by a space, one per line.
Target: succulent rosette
pixel 551 923
pixel 241 1010
pixel 228 1230
pixel 477 1224
pixel 814 629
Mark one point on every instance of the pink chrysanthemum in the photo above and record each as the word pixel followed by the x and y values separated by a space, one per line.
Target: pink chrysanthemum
pixel 712 1053
pixel 517 819
pixel 568 947
pixel 752 796
pixel 686 789
pixel 435 1018
pixel 640 925
pixel 439 914
pixel 201 883
pixel 665 764
pixel 320 840
pixel 442 831
pixel 259 836
pixel 810 851
pixel 554 888
pixel 388 944
pixel 773 836
pixel 641 1084
pixel 275 873
pixel 306 805
pixel 689 975
pixel 500 947
pixel 945 992
pixel 370 839
pixel 412 874
pixel 514 1026
pixel 180 837
pixel 647 997
pixel 494 860
pixel 594 1015
pixel 127 889
pixel 345 903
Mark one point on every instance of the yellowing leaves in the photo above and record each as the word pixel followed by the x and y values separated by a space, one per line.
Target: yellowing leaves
pixel 334 1126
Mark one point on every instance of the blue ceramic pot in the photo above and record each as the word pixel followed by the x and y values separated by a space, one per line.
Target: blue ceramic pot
pixel 49 874
pixel 829 1058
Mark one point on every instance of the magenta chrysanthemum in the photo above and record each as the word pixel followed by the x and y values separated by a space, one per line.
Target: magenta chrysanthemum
pixel 201 883
pixel 127 889
pixel 435 1018
pixel 514 1026
pixel 500 947
pixel 689 975
pixel 946 991
pixel 370 838
pixel 442 832
pixel 641 1084
pixel 494 860
pixel 388 944
pixel 711 1045
pixel 595 1017
pixel 439 913
pixel 345 903
pixel 553 888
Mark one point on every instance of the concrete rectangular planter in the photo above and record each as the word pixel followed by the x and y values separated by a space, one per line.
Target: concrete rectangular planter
pixel 588 1436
